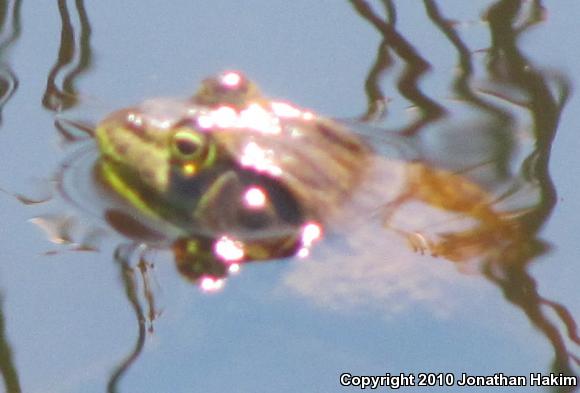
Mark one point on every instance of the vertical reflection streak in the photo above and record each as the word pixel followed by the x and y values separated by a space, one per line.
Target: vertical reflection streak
pixel 7 366
pixel 53 96
pixel 391 11
pixel 10 30
pixel 70 55
pixel 415 68
pixel 509 66
pixel 462 86
pixel 10 35
pixel 376 102
pixel 84 55
pixel 122 257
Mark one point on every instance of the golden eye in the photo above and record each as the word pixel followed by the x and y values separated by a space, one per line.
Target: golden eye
pixel 189 145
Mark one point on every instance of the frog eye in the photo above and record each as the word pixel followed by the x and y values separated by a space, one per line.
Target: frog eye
pixel 188 145
pixel 230 88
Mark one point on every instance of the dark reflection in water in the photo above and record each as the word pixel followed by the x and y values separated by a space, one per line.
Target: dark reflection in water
pixel 376 99
pixel 7 367
pixel 504 258
pixel 415 68
pixel 9 33
pixel 122 257
pixel 508 66
pixel 74 58
pixel 544 97
pixel 500 118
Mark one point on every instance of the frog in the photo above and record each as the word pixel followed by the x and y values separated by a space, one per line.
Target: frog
pixel 232 176
pixel 236 176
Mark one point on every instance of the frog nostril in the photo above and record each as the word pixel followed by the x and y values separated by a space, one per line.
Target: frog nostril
pixel 134 122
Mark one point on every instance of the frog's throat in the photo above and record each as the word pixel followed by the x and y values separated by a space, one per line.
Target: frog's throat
pixel 153 205
pixel 111 176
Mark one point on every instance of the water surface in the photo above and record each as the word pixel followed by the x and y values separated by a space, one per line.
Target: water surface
pixel 484 89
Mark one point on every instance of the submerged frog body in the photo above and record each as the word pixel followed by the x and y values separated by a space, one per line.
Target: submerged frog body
pixel 230 164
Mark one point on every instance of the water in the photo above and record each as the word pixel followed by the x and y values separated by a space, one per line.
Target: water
pixel 476 96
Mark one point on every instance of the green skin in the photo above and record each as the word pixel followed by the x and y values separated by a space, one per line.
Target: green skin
pixel 175 173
